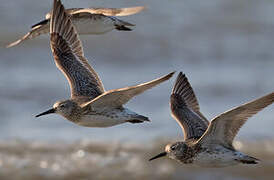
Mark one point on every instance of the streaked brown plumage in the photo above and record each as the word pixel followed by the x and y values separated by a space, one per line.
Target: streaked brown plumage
pixel 208 144
pixel 90 105
pixel 185 109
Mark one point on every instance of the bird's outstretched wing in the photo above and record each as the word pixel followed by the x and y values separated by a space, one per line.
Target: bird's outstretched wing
pixel 185 109
pixel 35 31
pixel 118 97
pixel 69 57
pixel 42 27
pixel 104 11
pixel 225 127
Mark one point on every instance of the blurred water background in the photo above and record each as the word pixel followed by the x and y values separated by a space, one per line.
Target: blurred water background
pixel 224 47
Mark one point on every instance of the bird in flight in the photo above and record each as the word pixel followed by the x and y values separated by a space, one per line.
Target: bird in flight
pixel 208 144
pixel 86 21
pixel 90 105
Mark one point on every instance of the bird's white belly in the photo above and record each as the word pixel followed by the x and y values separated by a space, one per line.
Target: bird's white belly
pixel 99 121
pixel 93 26
pixel 216 159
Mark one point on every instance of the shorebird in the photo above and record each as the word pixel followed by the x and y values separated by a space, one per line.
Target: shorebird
pixel 90 105
pixel 86 21
pixel 208 144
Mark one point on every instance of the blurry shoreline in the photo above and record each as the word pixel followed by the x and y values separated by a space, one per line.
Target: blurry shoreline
pixel 86 159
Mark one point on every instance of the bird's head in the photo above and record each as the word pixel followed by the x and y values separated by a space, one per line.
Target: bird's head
pixel 173 151
pixel 64 108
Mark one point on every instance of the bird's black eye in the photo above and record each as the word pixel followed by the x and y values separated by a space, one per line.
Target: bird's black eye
pixel 172 148
pixel 62 106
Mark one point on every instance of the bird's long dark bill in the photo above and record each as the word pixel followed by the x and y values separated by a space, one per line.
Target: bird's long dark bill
pixel 158 156
pixel 46 112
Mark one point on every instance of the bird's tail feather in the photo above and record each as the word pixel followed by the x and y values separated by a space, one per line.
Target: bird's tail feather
pixel 138 119
pixel 122 28
pixel 248 160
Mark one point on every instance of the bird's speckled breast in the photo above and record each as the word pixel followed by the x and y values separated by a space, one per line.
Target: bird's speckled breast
pixel 190 153
pixel 218 157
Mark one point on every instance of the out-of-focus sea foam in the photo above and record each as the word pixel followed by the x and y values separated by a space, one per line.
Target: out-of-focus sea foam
pixel 86 159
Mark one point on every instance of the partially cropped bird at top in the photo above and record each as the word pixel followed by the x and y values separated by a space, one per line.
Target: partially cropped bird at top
pixel 86 21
